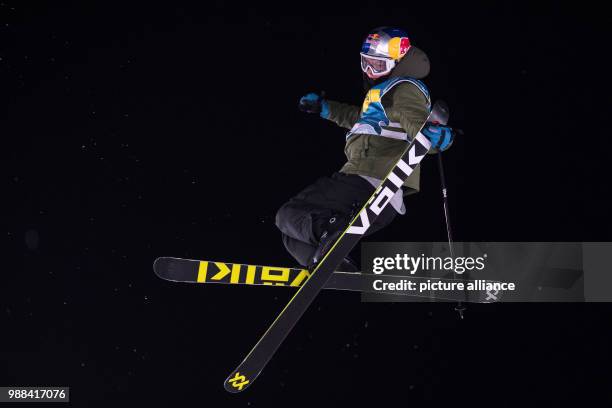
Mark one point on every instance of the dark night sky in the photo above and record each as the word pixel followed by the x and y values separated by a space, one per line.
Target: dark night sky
pixel 136 131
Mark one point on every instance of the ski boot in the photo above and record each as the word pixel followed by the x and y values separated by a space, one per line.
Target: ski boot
pixel 334 229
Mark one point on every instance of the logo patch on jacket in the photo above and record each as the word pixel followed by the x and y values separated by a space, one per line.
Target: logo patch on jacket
pixel 372 96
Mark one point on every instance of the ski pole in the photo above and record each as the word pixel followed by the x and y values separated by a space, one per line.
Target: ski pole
pixel 460 308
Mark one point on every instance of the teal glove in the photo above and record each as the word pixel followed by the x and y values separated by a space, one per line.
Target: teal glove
pixel 314 103
pixel 441 137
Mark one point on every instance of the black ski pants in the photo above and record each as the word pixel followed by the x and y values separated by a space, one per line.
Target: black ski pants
pixel 305 217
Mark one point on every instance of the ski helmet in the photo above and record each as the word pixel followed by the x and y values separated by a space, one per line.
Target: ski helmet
pixel 382 49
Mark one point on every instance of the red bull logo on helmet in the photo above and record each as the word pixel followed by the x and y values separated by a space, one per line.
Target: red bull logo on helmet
pixel 371 42
pixel 398 47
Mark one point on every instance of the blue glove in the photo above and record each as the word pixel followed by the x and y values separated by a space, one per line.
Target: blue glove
pixel 441 137
pixel 314 103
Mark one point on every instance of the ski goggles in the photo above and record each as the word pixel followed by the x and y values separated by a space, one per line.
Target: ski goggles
pixel 377 66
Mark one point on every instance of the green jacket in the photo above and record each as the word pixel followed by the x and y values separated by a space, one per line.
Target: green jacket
pixel 372 155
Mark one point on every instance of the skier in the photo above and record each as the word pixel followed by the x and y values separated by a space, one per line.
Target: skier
pixel 396 105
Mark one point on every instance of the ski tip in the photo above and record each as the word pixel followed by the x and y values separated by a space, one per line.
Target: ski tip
pixel 442 105
pixel 237 382
pixel 160 265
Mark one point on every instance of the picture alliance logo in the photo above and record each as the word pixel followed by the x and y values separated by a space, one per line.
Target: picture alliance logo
pixel 407 263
